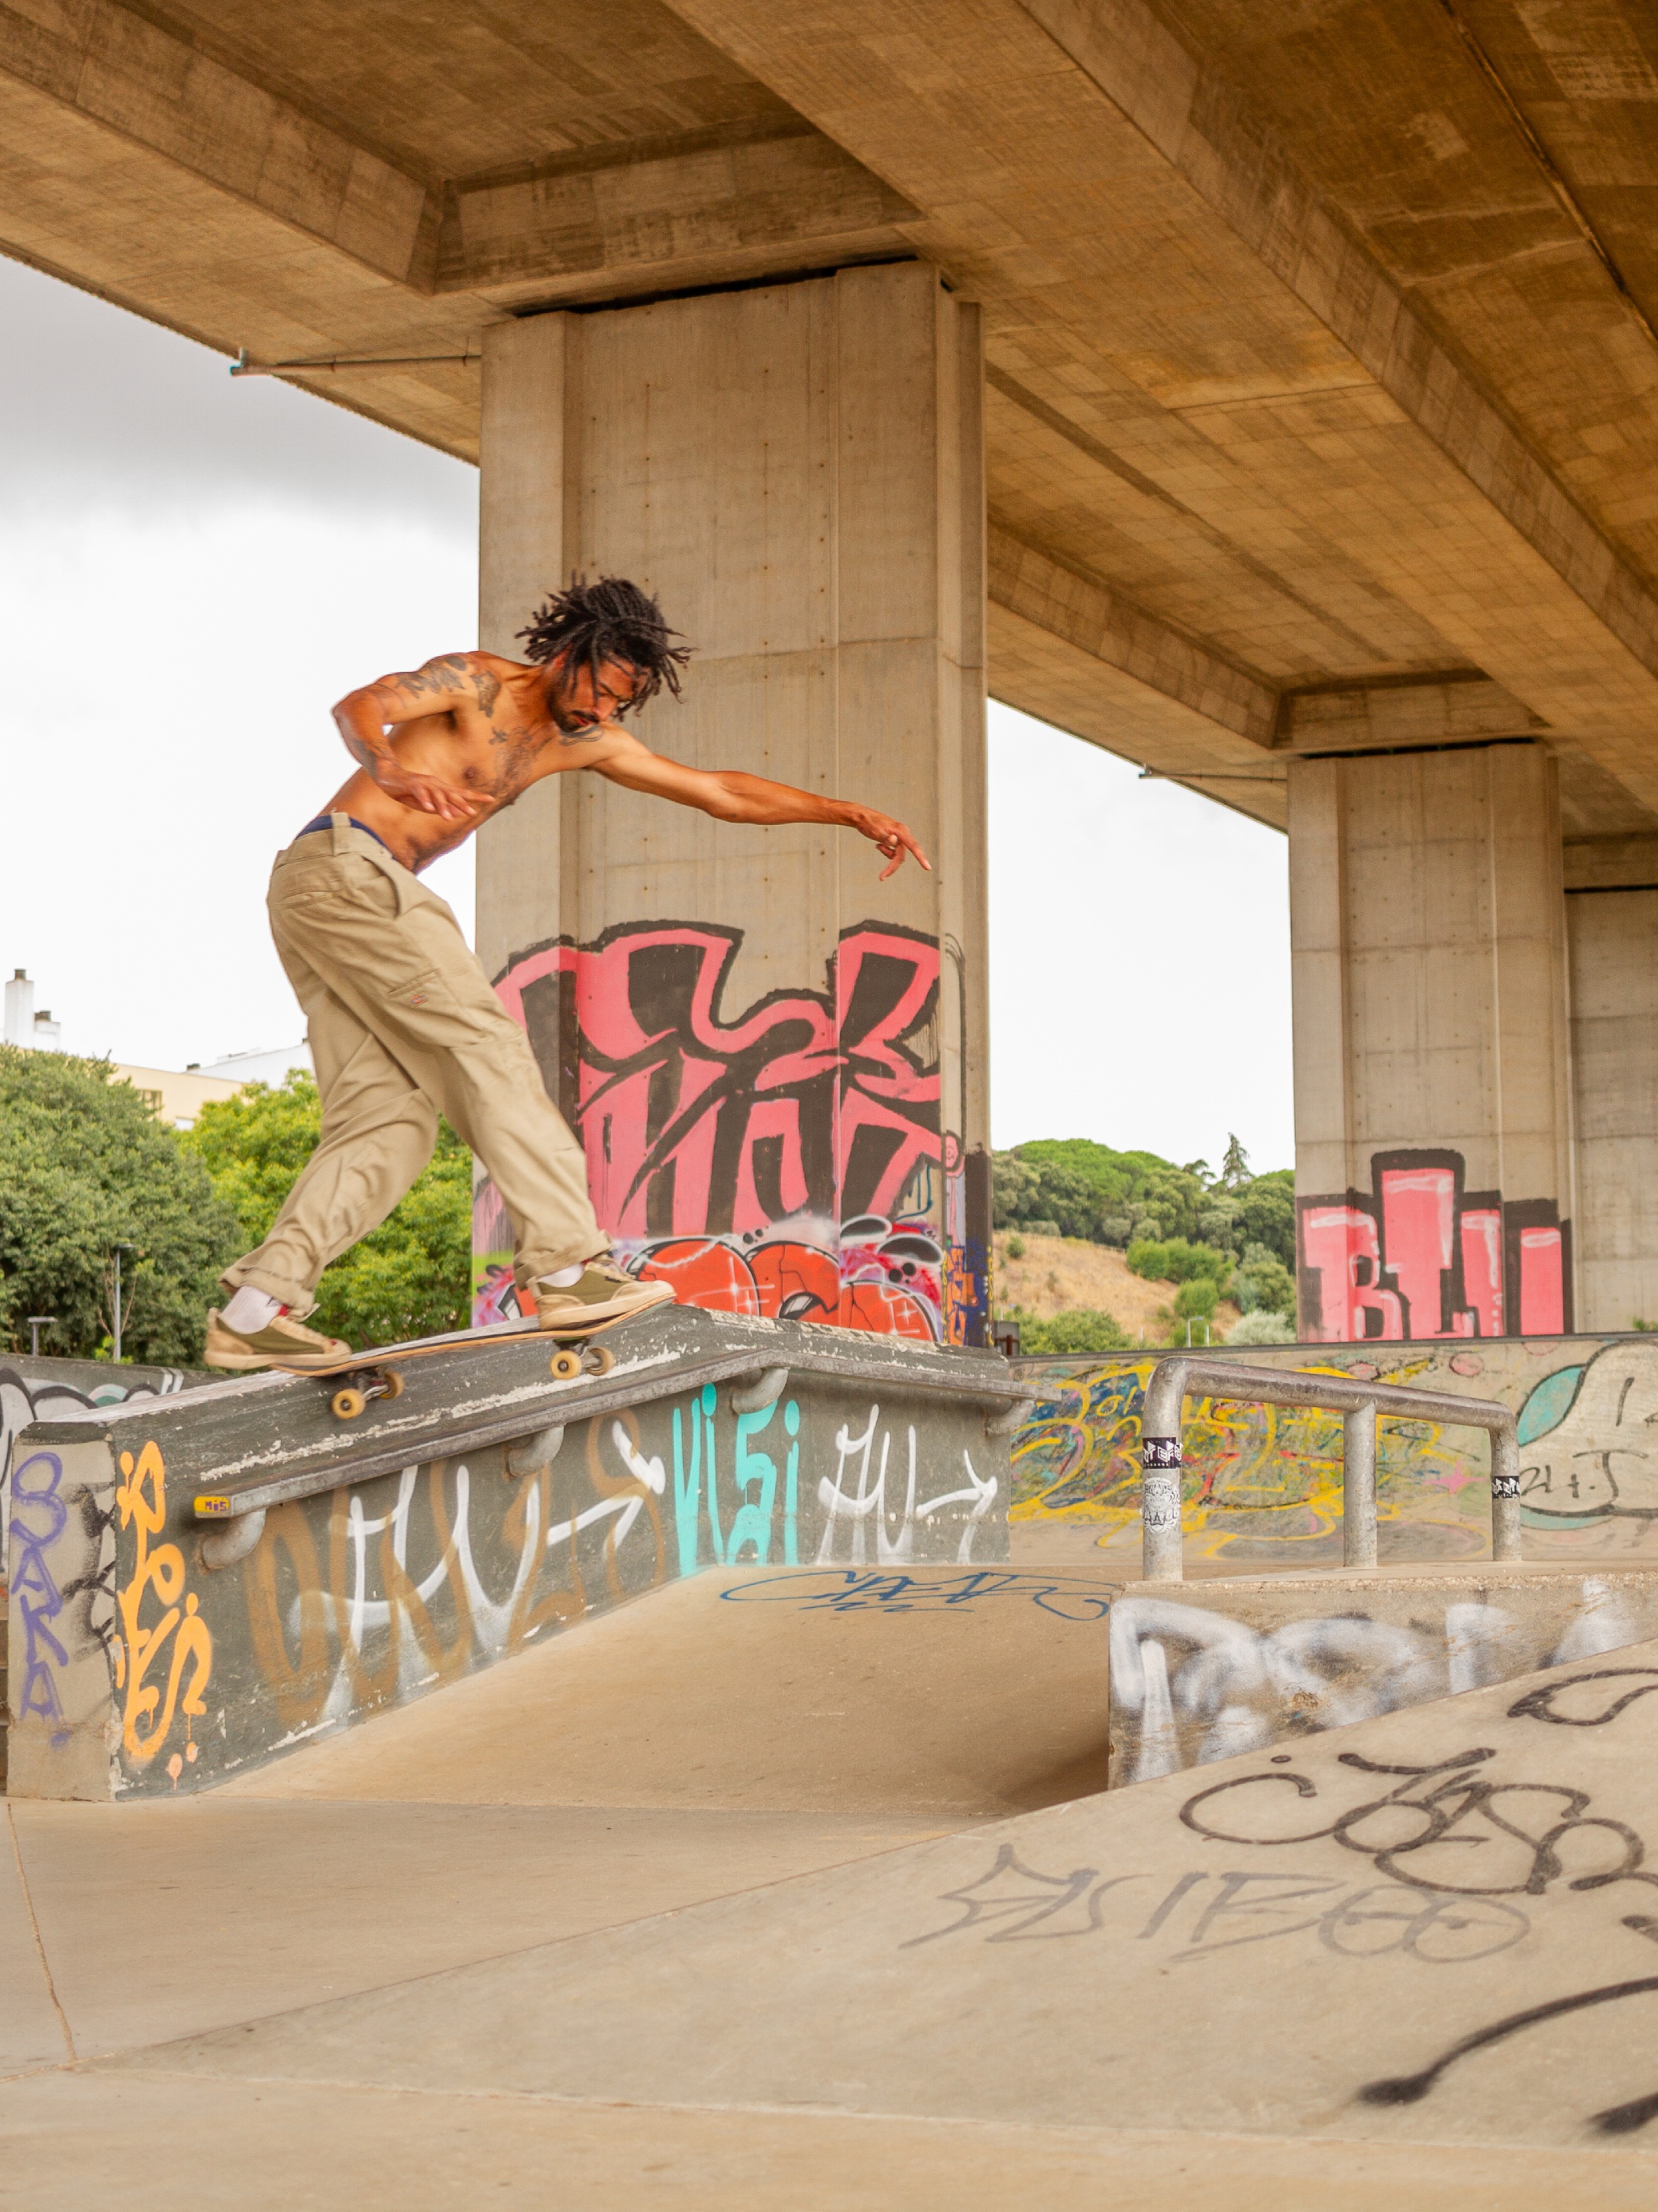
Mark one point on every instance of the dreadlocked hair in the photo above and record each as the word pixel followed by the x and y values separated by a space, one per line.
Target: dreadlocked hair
pixel 609 620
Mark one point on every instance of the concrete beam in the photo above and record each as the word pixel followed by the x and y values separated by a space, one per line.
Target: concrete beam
pixel 1462 708
pixel 1087 613
pixel 1067 650
pixel 1612 864
pixel 1066 158
pixel 119 68
pixel 1208 134
pixel 610 219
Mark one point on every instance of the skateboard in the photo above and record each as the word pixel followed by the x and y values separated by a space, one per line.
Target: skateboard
pixel 374 1374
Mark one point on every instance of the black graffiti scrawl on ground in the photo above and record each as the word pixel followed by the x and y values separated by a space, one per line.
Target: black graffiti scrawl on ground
pixel 1571 1704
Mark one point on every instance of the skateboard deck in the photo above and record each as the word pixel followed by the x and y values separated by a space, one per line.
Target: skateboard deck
pixel 373 1373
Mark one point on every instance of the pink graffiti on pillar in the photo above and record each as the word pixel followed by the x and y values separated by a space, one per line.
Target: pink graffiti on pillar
pixel 816 1112
pixel 1482 1266
pixel 1341 1245
pixel 1418 1211
pixel 1542 1281
pixel 1421 1258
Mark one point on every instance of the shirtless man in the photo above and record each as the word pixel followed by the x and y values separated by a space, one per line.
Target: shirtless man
pixel 401 1021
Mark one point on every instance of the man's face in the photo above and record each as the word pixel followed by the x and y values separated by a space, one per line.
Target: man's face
pixel 579 700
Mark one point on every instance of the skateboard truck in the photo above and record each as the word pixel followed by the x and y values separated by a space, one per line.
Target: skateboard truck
pixel 351 1400
pixel 571 1361
pixel 352 1397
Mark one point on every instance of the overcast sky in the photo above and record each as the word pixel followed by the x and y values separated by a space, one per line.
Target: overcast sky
pixel 191 570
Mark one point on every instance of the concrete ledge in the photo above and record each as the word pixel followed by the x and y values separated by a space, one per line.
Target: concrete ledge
pixel 415 1545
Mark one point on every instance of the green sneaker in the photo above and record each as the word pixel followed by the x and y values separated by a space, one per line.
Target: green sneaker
pixel 603 1293
pixel 283 1342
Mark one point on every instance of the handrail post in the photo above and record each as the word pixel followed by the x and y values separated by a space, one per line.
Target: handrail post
pixel 1161 1558
pixel 1505 1491
pixel 1360 1403
pixel 1358 1548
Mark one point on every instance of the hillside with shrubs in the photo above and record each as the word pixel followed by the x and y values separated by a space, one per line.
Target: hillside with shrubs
pixel 1221 1245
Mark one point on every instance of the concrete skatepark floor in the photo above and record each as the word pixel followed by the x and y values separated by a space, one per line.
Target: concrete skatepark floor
pixel 741 1895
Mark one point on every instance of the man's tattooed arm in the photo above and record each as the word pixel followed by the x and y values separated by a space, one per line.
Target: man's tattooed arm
pixel 453 683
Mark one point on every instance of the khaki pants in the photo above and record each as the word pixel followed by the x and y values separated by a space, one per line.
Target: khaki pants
pixel 404 1026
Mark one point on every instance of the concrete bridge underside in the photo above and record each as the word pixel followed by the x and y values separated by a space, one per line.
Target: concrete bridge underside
pixel 1265 393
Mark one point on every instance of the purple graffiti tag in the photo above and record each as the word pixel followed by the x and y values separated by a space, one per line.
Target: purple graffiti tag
pixel 38 1515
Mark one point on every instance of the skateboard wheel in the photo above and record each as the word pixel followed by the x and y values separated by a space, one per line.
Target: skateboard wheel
pixel 565 1364
pixel 600 1359
pixel 390 1384
pixel 346 1404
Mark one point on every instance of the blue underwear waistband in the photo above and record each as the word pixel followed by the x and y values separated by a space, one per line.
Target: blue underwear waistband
pixel 326 822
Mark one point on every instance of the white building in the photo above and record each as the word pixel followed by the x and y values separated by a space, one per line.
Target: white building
pixel 36 1031
pixel 177 1097
pixel 258 1066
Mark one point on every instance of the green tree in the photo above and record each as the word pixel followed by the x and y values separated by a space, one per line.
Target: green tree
pixel 1263 1283
pixel 1176 1261
pixel 1085 1189
pixel 1266 1215
pixel 1079 1329
pixel 84 1165
pixel 410 1277
pixel 1263 1327
pixel 1194 1301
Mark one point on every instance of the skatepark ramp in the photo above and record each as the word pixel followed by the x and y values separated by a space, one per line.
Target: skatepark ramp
pixel 201 1581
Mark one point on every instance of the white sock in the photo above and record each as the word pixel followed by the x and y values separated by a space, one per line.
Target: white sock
pixel 565 1279
pixel 251 1310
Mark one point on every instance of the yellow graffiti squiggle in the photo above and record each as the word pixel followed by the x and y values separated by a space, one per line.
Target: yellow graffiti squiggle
pixel 142 1499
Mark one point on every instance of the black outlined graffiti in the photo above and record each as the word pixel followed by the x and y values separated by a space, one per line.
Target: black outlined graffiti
pixel 1455 1808
pixel 1615 2120
pixel 854 1590
pixel 1540 1705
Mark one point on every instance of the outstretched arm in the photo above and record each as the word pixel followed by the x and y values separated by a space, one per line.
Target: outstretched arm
pixel 730 796
pixel 458 680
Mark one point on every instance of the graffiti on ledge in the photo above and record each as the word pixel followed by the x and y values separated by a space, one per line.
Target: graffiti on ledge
pixel 789 1163
pixel 1265 1482
pixel 1422 1257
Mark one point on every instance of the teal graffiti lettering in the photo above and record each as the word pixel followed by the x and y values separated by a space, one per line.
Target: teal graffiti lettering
pixel 751 1524
pixel 686 1491
pixel 710 1400
pixel 791 1485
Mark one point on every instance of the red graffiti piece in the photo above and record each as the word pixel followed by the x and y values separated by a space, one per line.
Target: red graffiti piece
pixel 797 1282
pixel 878 1307
pixel 783 1279
pixel 704 1272
pixel 1422 1258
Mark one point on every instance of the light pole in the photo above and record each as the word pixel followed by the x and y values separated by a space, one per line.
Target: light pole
pixel 116 1355
pixel 37 1323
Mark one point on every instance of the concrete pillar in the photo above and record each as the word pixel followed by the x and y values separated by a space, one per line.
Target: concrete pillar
pixel 1614 1028
pixel 1433 1109
pixel 777 1063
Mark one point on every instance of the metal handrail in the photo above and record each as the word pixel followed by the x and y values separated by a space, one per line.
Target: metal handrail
pixel 1174 1380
